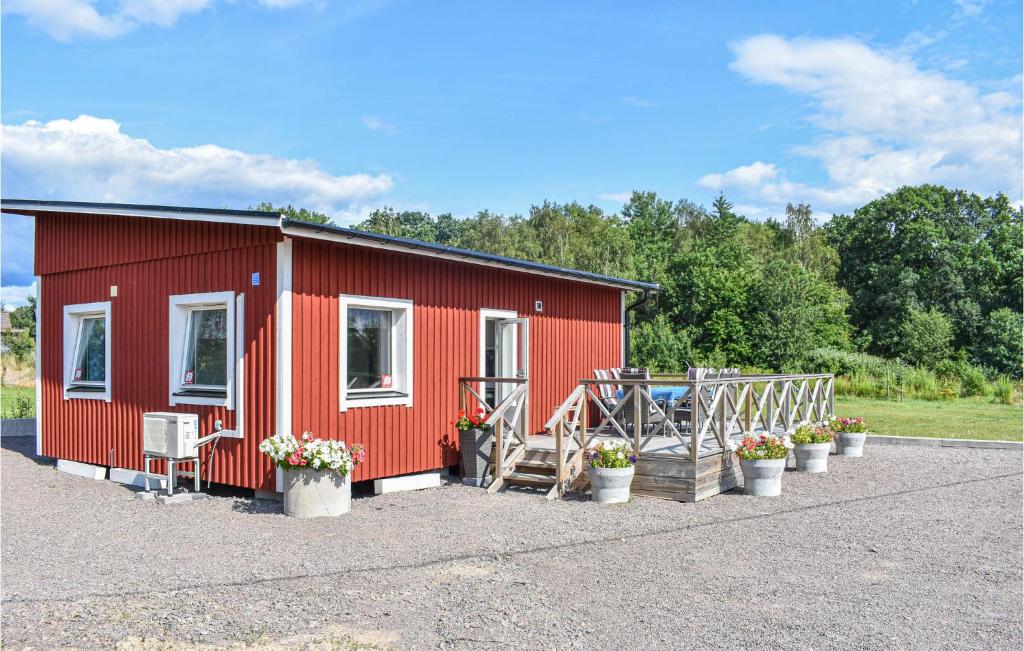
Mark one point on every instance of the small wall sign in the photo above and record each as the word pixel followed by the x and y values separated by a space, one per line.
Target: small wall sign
pixel 256 279
pixel 538 306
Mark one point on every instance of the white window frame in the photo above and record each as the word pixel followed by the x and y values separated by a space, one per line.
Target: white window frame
pixel 181 306
pixel 401 352
pixel 73 316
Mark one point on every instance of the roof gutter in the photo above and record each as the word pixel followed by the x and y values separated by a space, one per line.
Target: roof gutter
pixel 637 304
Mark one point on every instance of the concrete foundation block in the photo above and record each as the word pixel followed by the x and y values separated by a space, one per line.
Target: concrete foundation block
pixel 79 469
pixel 135 478
pixel 407 483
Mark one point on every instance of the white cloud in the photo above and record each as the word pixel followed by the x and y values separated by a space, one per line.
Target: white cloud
pixel 287 4
pixel 66 20
pixel 969 8
pixel 638 102
pixel 885 123
pixel 374 123
pixel 13 296
pixel 90 159
pixel 617 197
pixel 745 176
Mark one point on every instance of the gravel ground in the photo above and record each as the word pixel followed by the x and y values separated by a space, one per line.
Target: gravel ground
pixel 905 548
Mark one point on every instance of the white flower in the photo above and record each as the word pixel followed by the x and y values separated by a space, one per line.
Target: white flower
pixel 787 443
pixel 733 446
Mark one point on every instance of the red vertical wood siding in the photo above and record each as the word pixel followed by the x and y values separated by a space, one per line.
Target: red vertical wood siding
pixel 578 331
pixel 79 257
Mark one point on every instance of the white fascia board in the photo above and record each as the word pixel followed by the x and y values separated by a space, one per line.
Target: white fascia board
pixel 39 368
pixel 358 241
pixel 222 218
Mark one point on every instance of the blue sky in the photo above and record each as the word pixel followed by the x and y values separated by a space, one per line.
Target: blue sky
pixel 461 106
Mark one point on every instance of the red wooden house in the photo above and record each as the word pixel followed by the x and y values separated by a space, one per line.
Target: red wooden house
pixel 268 325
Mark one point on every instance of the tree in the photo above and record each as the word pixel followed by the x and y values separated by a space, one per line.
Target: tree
pixel 660 346
pixel 299 214
pixel 24 317
pixel 924 248
pixel 999 342
pixel 925 338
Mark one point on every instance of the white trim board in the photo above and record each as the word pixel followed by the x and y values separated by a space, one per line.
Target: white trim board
pixel 179 306
pixel 403 353
pixel 485 314
pixel 73 315
pixel 39 368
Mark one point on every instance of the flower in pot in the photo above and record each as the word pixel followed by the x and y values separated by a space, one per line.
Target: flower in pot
pixel 318 473
pixel 812 445
pixel 852 434
pixel 611 472
pixel 762 460
pixel 474 445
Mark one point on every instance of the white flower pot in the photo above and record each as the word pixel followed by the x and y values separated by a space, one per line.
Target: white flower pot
pixel 851 444
pixel 610 485
pixel 316 493
pixel 763 477
pixel 812 457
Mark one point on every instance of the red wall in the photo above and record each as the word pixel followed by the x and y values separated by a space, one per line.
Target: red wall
pixel 149 260
pixel 578 331
pixel 80 256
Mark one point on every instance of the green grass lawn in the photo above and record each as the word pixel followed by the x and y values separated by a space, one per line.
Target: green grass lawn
pixel 8 395
pixel 956 419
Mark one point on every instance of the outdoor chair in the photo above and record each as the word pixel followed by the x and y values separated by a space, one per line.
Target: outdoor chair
pixel 650 417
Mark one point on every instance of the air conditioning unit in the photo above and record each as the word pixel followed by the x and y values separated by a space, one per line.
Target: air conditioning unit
pixel 170 435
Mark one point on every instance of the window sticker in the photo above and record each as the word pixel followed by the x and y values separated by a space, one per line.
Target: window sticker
pixel 78 374
pixel 385 381
pixel 190 377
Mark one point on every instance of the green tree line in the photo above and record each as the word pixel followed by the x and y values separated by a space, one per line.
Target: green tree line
pixel 926 275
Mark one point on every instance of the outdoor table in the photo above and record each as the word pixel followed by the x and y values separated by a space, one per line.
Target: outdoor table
pixel 664 395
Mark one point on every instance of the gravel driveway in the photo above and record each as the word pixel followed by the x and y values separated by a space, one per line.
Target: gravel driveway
pixel 905 548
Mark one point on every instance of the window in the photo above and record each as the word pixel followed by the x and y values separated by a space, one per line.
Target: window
pixel 376 352
pixel 206 349
pixel 202 349
pixel 87 351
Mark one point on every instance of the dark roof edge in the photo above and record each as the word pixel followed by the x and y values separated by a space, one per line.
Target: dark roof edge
pixel 276 219
pixel 454 252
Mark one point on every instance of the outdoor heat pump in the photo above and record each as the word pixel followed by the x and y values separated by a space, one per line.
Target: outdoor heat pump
pixel 170 435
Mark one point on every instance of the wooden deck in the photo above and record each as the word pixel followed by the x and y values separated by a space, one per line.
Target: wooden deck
pixel 681 449
pixel 664 469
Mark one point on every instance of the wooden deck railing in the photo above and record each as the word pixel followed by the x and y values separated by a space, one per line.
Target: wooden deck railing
pixel 507 419
pixel 722 408
pixel 568 426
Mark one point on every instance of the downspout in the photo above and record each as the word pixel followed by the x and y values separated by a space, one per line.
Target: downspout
pixel 639 303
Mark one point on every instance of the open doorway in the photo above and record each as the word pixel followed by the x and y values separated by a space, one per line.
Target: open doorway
pixel 504 351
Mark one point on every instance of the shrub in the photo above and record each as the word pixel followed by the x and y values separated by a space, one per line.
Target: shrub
pixel 1002 391
pixel 23 407
pixel 925 337
pixel 841 362
pixel 971 378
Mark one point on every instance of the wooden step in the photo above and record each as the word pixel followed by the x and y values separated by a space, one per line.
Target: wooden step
pixel 537 465
pixel 529 479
